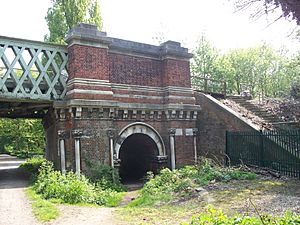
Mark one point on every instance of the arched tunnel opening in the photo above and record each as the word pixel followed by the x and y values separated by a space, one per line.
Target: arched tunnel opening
pixel 137 154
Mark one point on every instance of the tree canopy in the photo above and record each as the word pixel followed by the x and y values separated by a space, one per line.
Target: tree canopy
pixel 263 71
pixel 290 8
pixel 21 137
pixel 65 14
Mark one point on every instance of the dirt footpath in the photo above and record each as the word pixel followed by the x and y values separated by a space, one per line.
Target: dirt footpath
pixel 14 207
pixel 84 216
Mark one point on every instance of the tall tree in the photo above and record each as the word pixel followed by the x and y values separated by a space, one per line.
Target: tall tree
pixel 65 14
pixel 205 55
pixel 203 64
pixel 261 70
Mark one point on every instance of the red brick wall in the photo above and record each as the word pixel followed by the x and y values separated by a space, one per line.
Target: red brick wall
pixel 126 69
pixel 88 62
pixel 184 145
pixel 96 63
pixel 176 73
pixel 212 123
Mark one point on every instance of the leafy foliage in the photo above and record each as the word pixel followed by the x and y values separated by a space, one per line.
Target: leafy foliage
pixel 104 176
pixel 260 70
pixel 65 14
pixel 33 165
pixel 23 138
pixel 169 185
pixel 204 59
pixel 214 217
pixel 72 189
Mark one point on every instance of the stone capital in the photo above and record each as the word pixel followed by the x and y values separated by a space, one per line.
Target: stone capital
pixel 62 134
pixel 195 131
pixel 110 133
pixel 117 162
pixel 77 133
pixel 172 132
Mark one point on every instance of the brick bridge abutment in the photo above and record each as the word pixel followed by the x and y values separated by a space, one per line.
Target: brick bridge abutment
pixel 126 102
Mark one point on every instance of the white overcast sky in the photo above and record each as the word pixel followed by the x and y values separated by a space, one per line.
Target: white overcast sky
pixel 143 20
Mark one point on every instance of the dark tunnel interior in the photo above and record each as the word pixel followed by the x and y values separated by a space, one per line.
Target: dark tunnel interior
pixel 137 153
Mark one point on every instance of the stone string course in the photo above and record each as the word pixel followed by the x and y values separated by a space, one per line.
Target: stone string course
pixel 124 114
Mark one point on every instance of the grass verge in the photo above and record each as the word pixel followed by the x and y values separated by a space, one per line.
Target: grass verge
pixel 115 200
pixel 43 210
pixel 271 198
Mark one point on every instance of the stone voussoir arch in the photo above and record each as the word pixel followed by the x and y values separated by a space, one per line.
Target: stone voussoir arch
pixel 140 128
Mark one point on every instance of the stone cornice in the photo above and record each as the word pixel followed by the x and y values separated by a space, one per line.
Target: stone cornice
pixel 87 34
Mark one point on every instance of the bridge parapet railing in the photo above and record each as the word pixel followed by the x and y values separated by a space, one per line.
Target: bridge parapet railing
pixel 32 70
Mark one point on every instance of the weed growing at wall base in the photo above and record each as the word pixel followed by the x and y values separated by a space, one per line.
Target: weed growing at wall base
pixel 73 189
pixel 104 176
pixel 181 183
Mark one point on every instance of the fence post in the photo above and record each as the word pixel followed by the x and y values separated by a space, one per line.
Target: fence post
pixel 261 148
pixel 226 148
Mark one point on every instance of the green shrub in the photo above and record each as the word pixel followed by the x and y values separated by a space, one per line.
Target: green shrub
pixel 72 189
pixel 214 217
pixel 235 174
pixel 208 171
pixel 164 187
pixel 169 185
pixel 32 166
pixel 104 176
pixel 69 188
pixel 167 181
pixel 108 197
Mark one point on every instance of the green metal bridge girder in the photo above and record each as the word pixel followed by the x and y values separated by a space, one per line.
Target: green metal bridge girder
pixel 32 70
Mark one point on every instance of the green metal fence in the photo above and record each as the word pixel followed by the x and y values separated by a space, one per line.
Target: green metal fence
pixel 277 150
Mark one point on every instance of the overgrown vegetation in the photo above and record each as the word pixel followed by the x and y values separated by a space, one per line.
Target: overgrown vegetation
pixel 269 196
pixel 32 166
pixel 181 183
pixel 167 198
pixel 213 217
pixel 70 188
pixel 104 176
